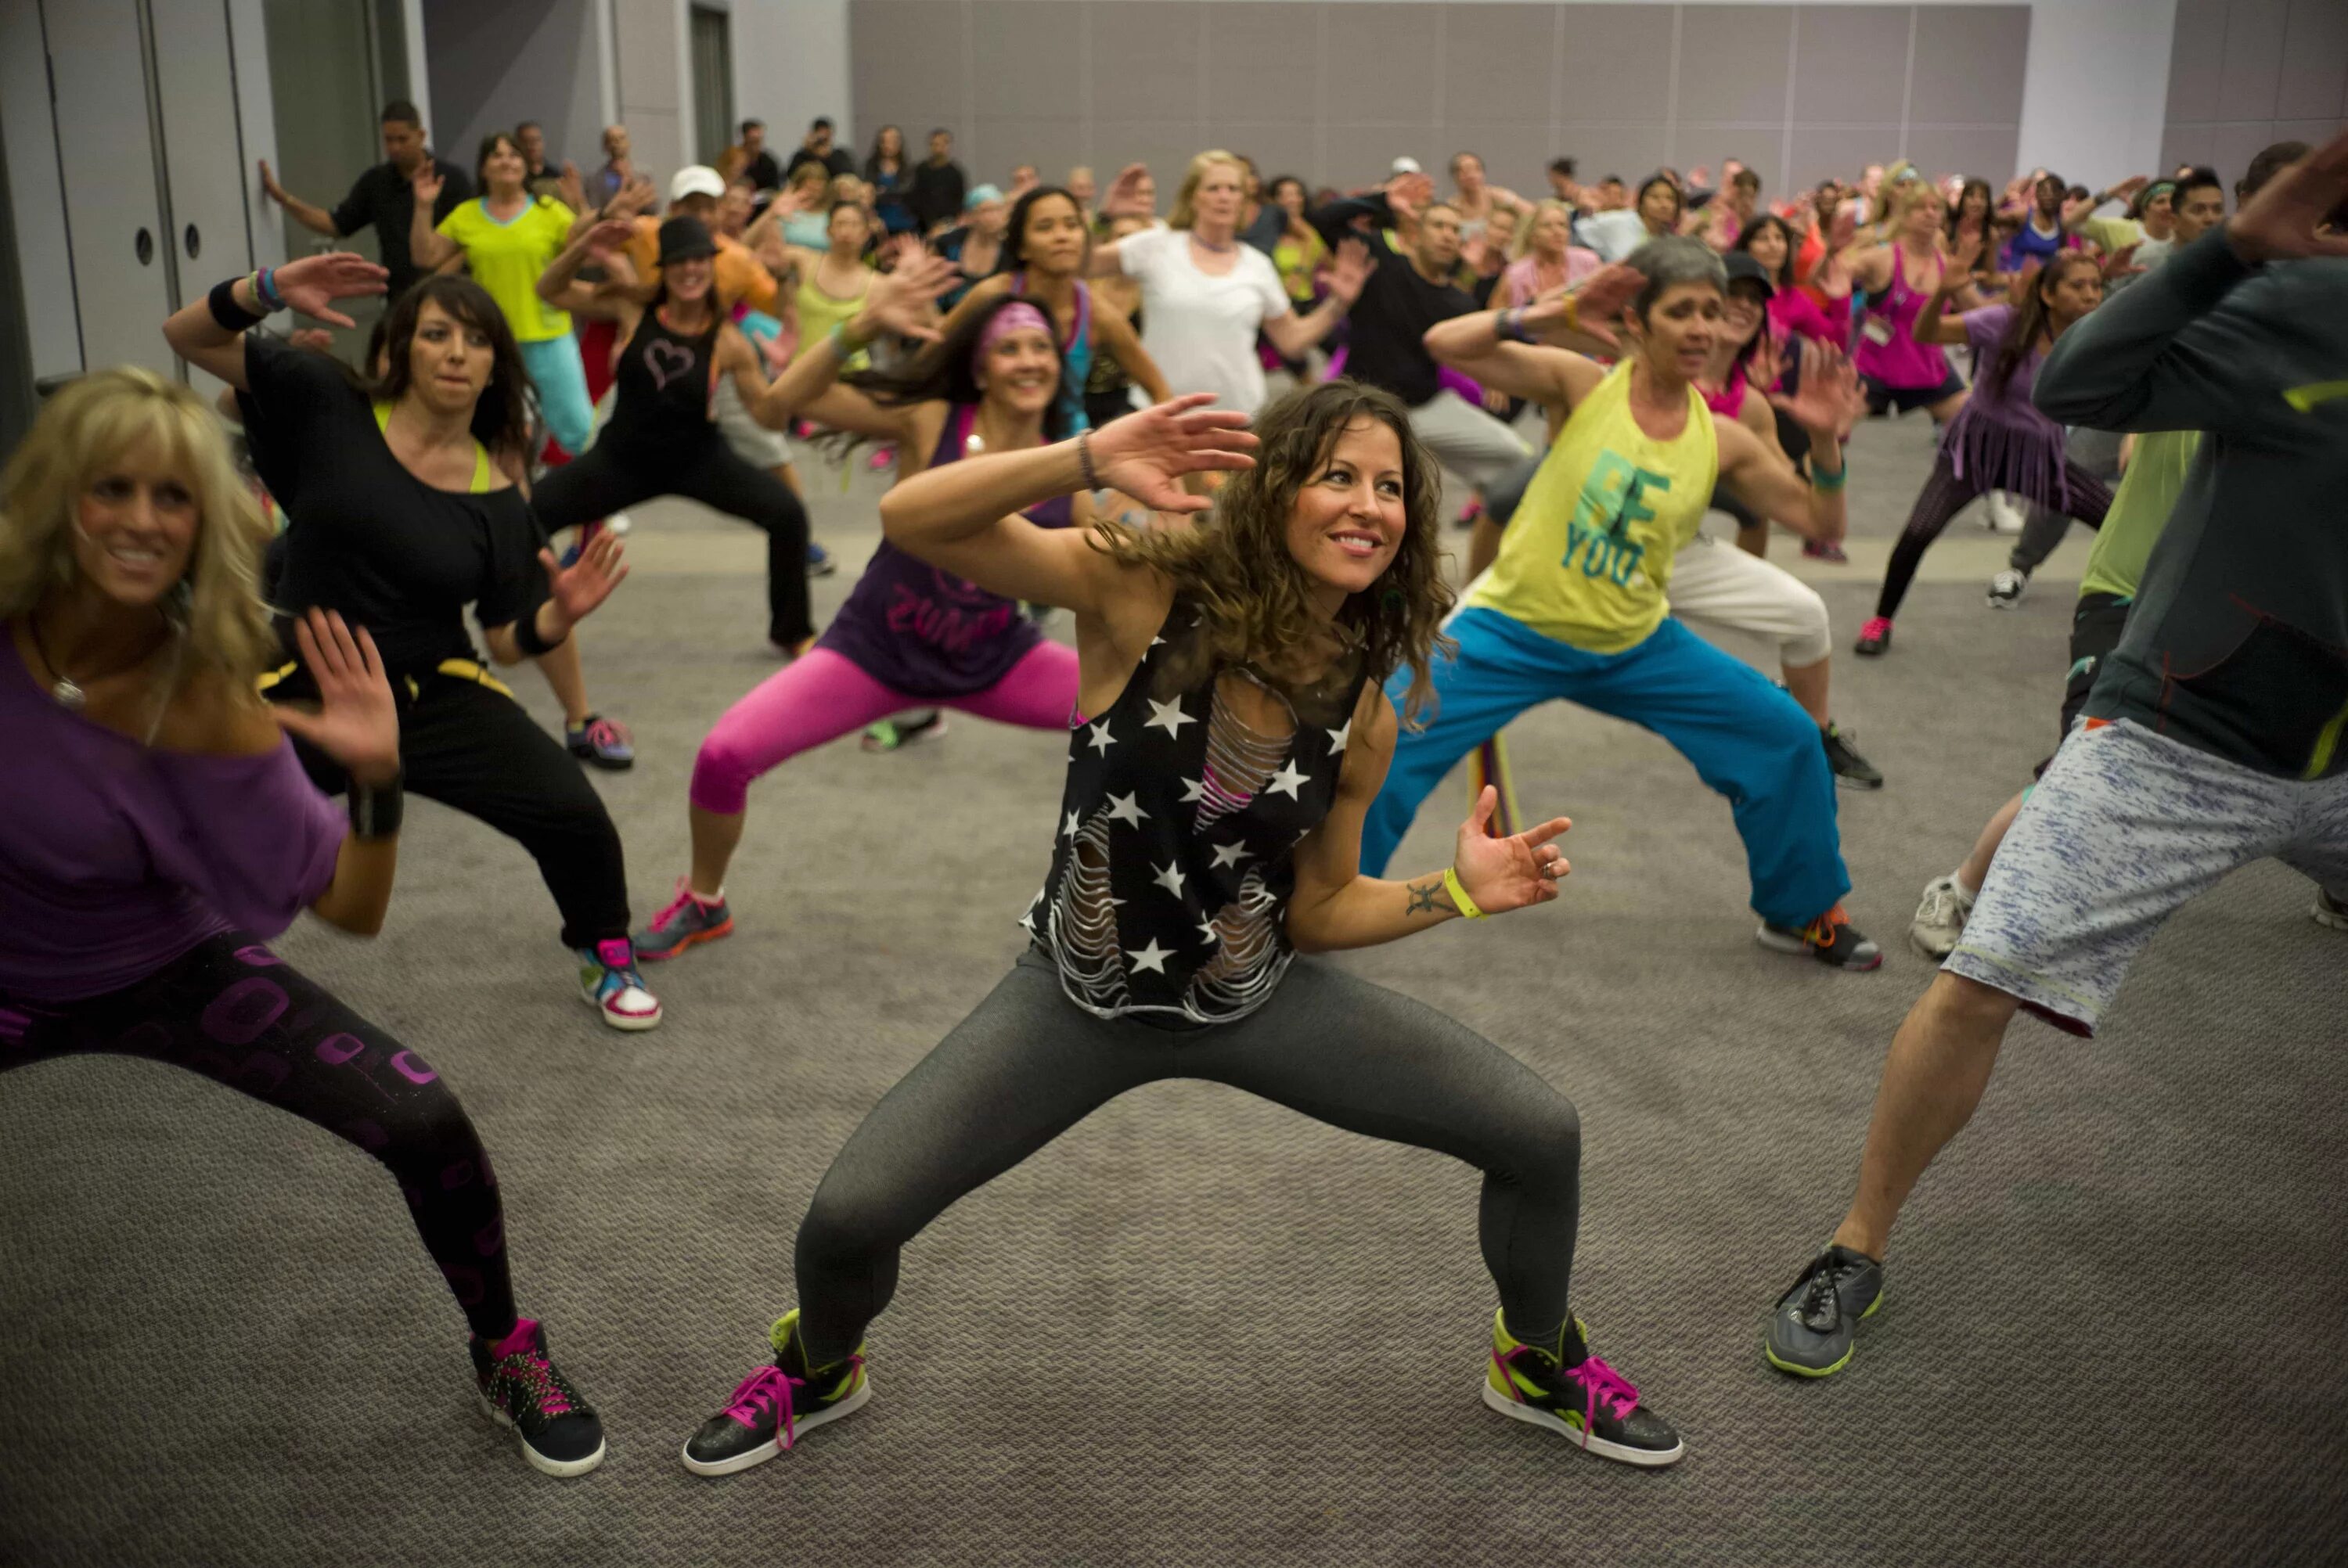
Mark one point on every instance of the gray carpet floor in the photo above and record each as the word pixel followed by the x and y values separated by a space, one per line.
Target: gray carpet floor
pixel 1200 1329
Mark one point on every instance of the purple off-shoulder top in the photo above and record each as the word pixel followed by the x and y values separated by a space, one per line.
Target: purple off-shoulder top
pixel 117 859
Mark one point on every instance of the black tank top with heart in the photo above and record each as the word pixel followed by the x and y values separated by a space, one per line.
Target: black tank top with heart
pixel 663 382
pixel 1173 864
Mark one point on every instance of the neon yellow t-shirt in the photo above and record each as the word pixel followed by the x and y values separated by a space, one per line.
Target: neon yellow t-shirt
pixel 1587 555
pixel 507 259
pixel 2139 510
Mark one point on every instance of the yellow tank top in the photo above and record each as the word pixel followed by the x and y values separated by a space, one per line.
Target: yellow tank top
pixel 1587 555
pixel 819 312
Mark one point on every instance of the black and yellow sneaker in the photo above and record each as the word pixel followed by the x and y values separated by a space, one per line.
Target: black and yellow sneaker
pixel 521 1388
pixel 1569 1390
pixel 1810 1333
pixel 775 1404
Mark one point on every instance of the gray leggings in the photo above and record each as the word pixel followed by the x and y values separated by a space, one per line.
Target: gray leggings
pixel 1029 1064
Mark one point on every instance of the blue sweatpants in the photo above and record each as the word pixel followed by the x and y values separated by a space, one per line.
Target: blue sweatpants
pixel 562 401
pixel 1748 741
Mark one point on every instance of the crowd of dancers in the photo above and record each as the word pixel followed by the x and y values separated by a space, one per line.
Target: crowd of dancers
pixel 207 641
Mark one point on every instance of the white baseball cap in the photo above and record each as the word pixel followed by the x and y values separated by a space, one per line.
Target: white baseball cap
pixel 696 179
pixel 1406 164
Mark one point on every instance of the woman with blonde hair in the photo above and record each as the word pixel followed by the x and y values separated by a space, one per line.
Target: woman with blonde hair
pixel 1232 729
pixel 1204 293
pixel 156 830
pixel 1544 258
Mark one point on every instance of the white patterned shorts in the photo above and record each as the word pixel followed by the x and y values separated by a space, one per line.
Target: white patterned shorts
pixel 2124 828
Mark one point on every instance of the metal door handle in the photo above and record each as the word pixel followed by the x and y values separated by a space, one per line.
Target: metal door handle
pixel 145 246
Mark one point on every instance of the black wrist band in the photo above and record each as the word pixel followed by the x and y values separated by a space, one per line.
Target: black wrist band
pixel 375 810
pixel 232 317
pixel 526 638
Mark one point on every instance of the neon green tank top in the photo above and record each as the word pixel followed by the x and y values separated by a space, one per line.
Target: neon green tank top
pixel 2140 509
pixel 1588 556
pixel 485 472
pixel 819 312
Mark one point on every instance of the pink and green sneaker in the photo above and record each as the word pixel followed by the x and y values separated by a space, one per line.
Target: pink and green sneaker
pixel 773 1405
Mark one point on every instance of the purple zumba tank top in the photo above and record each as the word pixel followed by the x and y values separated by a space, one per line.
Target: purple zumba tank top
pixel 924 631
pixel 1899 360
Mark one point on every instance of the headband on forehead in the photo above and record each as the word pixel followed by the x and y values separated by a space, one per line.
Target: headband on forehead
pixel 2159 188
pixel 1012 318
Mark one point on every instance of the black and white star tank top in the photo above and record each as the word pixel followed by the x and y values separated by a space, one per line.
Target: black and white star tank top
pixel 1170 877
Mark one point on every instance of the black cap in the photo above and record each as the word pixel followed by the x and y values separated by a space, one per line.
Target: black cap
pixel 683 239
pixel 1743 268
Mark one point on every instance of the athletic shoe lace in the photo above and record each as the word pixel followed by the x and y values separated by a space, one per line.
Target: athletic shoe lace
pixel 1821 1305
pixel 609 733
pixel 766 1392
pixel 1822 929
pixel 528 1376
pixel 682 901
pixel 1877 629
pixel 1601 1385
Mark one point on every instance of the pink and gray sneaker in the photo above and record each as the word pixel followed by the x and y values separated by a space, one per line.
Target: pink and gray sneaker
pixel 522 1389
pixel 689 919
pixel 1875 636
pixel 609 983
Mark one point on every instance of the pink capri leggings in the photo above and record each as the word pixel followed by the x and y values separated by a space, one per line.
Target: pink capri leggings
pixel 824 695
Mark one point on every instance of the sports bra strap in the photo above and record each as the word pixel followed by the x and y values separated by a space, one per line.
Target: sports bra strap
pixel 484 471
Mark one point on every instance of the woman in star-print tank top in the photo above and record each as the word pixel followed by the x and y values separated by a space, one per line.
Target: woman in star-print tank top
pixel 1231 730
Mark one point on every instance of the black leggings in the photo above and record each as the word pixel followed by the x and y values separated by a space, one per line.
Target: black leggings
pixel 617 473
pixel 1029 1064
pixel 471 748
pixel 1944 496
pixel 233 1011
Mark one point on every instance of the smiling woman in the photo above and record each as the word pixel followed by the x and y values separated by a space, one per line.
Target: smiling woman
pixel 1229 731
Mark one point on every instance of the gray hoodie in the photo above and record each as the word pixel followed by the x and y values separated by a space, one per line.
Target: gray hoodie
pixel 2238 639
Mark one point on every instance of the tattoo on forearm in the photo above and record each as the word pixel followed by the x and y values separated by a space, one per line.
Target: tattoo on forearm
pixel 1423 896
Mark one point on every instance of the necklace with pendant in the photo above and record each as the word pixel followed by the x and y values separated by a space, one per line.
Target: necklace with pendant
pixel 64 691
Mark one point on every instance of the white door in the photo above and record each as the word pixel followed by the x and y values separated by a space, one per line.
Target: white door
pixel 202 149
pixel 114 210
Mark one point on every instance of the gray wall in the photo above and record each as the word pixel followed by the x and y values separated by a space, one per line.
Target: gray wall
pixel 2245 73
pixel 1335 91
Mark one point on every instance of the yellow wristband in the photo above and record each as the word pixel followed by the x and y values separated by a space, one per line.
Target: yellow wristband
pixel 1459 899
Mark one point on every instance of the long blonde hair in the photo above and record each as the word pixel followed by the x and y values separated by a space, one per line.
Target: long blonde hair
pixel 1521 245
pixel 1182 217
pixel 1257 600
pixel 81 432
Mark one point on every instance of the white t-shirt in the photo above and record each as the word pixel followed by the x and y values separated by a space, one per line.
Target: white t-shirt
pixel 1613 235
pixel 1199 328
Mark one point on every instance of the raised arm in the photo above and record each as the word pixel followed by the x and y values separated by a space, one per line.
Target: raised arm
pixel 1334 907
pixel 1518 350
pixel 599 242
pixel 963 517
pixel 356 724
pixel 426 246
pixel 2076 217
pixel 573 593
pixel 309 214
pixel 1297 332
pixel 2169 353
pixel 901 302
pixel 1758 473
pixel 1113 333
pixel 209 333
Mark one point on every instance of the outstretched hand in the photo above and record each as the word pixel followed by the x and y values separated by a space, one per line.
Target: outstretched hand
pixel 356 722
pixel 1505 874
pixel 1598 301
pixel 903 300
pixel 1349 270
pixel 1123 197
pixel 1146 453
pixel 575 590
pixel 2288 218
pixel 426 182
pixel 313 283
pixel 1830 399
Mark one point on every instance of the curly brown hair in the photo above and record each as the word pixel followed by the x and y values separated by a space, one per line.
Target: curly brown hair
pixel 1236 565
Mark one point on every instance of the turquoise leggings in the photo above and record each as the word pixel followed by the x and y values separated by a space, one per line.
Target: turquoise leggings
pixel 562 402
pixel 1748 740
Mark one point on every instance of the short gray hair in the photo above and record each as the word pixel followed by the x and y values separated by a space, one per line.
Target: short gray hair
pixel 1672 260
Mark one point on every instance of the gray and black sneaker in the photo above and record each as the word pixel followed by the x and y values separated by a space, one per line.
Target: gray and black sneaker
pixel 773 1406
pixel 1810 1333
pixel 2006 588
pixel 1851 771
pixel 2328 911
pixel 1830 939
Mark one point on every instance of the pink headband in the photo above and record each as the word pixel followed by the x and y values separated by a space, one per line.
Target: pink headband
pixel 1012 318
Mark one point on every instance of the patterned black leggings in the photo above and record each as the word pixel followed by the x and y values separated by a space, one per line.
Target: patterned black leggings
pixel 1944 496
pixel 235 1012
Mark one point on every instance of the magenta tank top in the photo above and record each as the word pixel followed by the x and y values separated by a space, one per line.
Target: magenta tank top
pixel 1887 350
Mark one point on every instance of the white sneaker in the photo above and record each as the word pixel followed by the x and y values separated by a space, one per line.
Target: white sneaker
pixel 609 983
pixel 2006 588
pixel 2330 911
pixel 1940 917
pixel 2004 517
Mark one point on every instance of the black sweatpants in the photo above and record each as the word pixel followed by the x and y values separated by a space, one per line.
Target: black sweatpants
pixel 1029 1064
pixel 472 748
pixel 616 473
pixel 1944 495
pixel 233 1011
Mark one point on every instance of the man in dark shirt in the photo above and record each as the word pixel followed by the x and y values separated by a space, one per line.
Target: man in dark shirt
pixel 936 195
pixel 752 161
pixel 542 173
pixel 381 199
pixel 1409 292
pixel 2211 737
pixel 818 149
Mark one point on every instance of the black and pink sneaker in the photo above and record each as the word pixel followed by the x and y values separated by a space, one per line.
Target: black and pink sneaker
pixel 772 1407
pixel 521 1389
